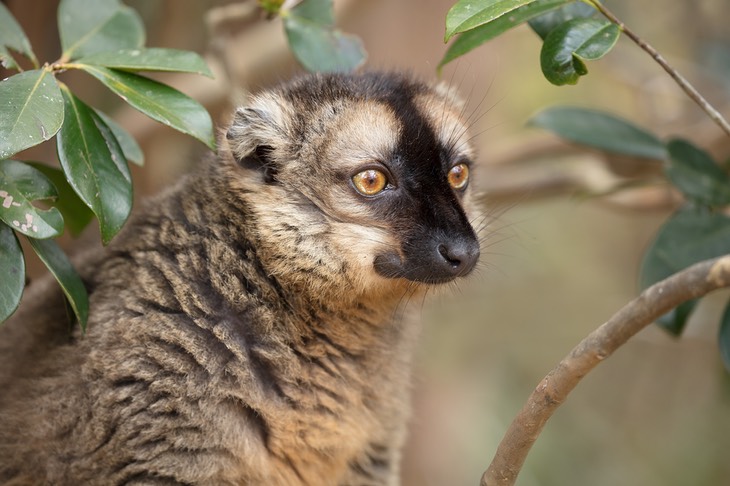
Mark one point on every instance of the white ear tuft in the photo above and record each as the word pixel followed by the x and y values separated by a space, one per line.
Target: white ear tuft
pixel 262 124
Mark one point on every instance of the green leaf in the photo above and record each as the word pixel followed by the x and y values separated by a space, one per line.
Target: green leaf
pixel 479 35
pixel 95 165
pixel 12 36
pixel 600 130
pixel 76 215
pixel 13 265
pixel 689 236
pixel 568 45
pixel 676 319
pixel 155 59
pixel 20 184
pixel 322 49
pixel 59 265
pixel 158 101
pixel 6 59
pixel 724 337
pixel 694 172
pixel 316 43
pixel 468 14
pixel 319 11
pixel 543 24
pixel 90 26
pixel 31 110
pixel 130 147
pixel 31 184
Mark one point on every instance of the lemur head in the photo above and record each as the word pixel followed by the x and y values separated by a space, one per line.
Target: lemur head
pixel 358 182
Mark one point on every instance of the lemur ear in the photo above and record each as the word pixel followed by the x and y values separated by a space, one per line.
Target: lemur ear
pixel 255 134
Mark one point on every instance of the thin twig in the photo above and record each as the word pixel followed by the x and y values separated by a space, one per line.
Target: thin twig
pixel 552 391
pixel 678 78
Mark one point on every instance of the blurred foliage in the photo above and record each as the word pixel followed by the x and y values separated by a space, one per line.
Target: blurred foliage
pixel 572 34
pixel 105 39
pixel 316 43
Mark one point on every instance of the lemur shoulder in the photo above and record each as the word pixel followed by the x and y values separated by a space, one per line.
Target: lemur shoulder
pixel 245 327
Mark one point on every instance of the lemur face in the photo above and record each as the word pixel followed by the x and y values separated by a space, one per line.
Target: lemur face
pixel 368 175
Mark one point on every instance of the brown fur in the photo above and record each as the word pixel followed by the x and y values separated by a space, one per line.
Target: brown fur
pixel 238 333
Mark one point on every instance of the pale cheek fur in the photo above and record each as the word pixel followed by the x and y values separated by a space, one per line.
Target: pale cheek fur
pixel 360 245
pixel 344 247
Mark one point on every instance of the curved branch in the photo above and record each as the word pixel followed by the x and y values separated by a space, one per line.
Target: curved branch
pixel 693 282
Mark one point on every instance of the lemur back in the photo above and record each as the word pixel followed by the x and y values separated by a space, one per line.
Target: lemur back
pixel 246 326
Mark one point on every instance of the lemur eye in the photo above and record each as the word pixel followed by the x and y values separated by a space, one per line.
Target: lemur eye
pixel 459 176
pixel 369 182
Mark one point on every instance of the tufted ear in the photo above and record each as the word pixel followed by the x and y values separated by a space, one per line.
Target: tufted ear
pixel 255 134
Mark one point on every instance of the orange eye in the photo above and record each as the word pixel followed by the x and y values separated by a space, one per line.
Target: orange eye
pixel 459 176
pixel 370 182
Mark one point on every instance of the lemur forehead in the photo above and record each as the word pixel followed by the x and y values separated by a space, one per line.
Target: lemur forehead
pixel 365 131
pixel 445 112
pixel 372 128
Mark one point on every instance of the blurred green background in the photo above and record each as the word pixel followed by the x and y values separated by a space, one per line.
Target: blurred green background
pixel 558 260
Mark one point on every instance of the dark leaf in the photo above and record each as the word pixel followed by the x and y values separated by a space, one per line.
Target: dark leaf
pixel 315 42
pixel 323 48
pixel 600 130
pixel 158 101
pixel 130 147
pixel 13 265
pixel 695 173
pixel 676 319
pixel 566 46
pixel 90 26
pixel 689 236
pixel 13 37
pixel 76 215
pixel 31 110
pixel 20 184
pixel 724 337
pixel 27 181
pixel 95 166
pixel 543 24
pixel 479 35
pixel 59 265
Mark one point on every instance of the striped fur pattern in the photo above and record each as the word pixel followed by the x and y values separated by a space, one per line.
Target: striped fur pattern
pixel 241 330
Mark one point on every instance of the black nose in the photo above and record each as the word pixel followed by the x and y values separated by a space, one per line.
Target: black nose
pixel 432 261
pixel 458 258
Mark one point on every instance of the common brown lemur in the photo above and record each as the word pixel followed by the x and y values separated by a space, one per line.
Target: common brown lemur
pixel 246 326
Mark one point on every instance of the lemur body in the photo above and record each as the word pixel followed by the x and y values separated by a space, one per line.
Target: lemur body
pixel 245 327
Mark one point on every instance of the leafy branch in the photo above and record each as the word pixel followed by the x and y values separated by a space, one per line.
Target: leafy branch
pixel 572 35
pixel 574 32
pixel 313 38
pixel 575 37
pixel 105 39
pixel 676 76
